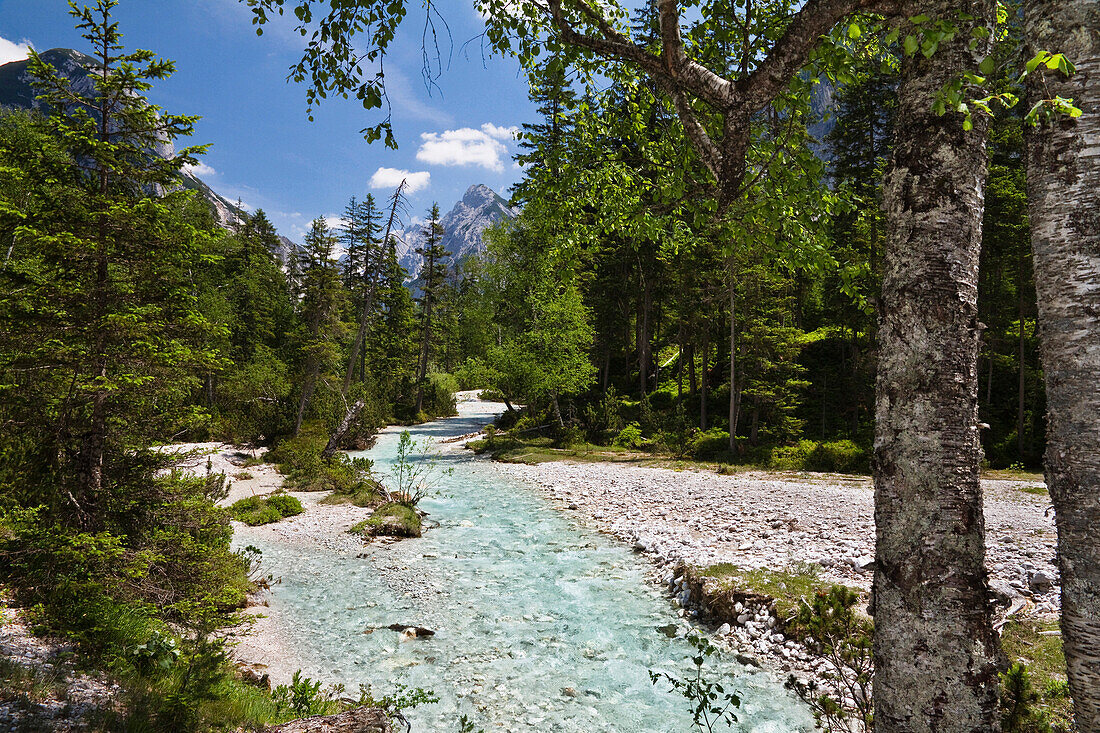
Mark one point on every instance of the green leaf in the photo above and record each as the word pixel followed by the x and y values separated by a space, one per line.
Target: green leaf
pixel 987 65
pixel 854 32
pixel 911 45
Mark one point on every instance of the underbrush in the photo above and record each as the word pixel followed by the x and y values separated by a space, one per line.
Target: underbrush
pixel 300 460
pixel 257 510
pixel 1034 693
pixel 787 587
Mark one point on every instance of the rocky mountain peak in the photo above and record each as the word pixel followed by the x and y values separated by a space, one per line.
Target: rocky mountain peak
pixel 464 226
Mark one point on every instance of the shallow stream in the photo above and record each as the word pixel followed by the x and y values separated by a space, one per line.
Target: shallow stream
pixel 541 624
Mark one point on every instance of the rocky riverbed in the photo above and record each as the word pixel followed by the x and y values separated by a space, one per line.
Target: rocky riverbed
pixel 764 520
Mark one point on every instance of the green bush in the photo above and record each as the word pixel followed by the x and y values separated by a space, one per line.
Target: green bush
pixel 491 394
pixel 604 419
pixel 257 510
pixel 299 459
pixel 841 456
pixel 439 395
pixel 474 373
pixel 710 443
pixel 629 437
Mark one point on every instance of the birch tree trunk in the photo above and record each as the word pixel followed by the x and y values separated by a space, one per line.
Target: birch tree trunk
pixel 1063 176
pixel 934 646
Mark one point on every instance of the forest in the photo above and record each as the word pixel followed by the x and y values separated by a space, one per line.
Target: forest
pixel 829 236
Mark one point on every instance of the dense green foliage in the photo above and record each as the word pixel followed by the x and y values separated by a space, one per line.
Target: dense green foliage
pixel 255 510
pixel 130 318
pixel 619 313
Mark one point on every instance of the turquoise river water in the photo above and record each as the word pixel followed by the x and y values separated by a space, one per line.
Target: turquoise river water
pixel 542 624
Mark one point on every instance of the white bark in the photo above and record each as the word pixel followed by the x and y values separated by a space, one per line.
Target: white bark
pixel 1064 202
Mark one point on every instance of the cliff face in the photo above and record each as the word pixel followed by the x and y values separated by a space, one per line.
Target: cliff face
pixel 17 91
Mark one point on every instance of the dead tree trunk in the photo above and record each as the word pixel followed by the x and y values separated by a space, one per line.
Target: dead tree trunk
pixel 934 646
pixel 1063 176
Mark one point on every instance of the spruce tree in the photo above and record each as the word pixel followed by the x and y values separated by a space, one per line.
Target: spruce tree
pixel 322 297
pixel 433 275
pixel 115 310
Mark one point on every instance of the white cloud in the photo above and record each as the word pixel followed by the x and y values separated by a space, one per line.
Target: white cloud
pixel 500 133
pixel 335 222
pixel 12 51
pixel 392 177
pixel 200 169
pixel 467 146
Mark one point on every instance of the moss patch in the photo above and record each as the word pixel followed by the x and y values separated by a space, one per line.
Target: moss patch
pixel 1036 490
pixel 390 520
pixel 256 510
pixel 786 587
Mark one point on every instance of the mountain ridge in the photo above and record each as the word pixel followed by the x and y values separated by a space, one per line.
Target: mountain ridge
pixel 17 92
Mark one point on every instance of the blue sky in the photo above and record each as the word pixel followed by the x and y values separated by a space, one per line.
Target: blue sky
pixel 264 150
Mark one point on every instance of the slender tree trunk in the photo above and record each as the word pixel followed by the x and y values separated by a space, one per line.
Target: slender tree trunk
pixel 360 336
pixel 1022 382
pixel 692 382
pixel 935 649
pixel 1063 174
pixel 425 340
pixel 680 370
pixel 703 390
pixel 735 391
pixel 557 412
pixel 645 306
pixel 313 371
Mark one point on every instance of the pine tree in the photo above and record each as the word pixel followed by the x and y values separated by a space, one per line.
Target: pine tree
pixel 433 276
pixel 322 298
pixel 117 314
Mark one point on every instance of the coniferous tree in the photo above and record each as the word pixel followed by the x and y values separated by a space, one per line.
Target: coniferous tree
pixel 433 275
pixel 120 335
pixel 322 298
pixel 362 273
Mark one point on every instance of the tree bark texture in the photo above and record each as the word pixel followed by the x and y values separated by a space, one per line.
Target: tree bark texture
pixel 1063 176
pixel 934 646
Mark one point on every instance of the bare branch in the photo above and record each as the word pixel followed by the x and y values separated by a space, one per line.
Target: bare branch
pixel 706 149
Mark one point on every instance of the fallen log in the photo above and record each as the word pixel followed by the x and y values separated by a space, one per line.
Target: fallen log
pixel 337 438
pixel 358 720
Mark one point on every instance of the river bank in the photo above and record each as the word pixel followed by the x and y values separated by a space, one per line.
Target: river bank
pixel 753 520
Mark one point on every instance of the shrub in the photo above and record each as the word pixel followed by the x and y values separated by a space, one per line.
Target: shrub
pixel 629 437
pixel 257 510
pixel 830 625
pixel 439 395
pixel 603 419
pixel 841 456
pixel 474 374
pixel 710 443
pixel 299 459
pixel 491 394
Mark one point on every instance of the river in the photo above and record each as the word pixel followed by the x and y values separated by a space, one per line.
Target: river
pixel 541 624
